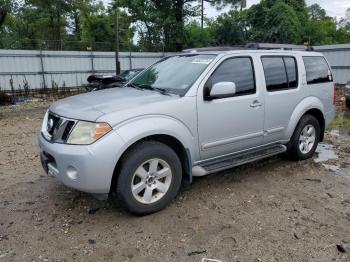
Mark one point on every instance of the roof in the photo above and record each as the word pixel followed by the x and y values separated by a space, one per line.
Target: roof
pixel 249 51
pixel 251 47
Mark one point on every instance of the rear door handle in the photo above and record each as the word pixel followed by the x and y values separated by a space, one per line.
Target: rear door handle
pixel 256 104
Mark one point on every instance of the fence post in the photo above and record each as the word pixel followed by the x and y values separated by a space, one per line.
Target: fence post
pixel 92 62
pixel 42 66
pixel 130 59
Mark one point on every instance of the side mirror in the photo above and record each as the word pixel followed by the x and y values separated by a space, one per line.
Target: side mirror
pixel 222 90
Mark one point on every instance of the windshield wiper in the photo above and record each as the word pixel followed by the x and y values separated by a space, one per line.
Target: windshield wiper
pixel 163 91
pixel 132 85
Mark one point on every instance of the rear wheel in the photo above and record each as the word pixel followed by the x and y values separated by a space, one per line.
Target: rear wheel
pixel 305 138
pixel 149 178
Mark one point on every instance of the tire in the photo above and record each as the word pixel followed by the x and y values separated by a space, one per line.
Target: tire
pixel 297 149
pixel 138 171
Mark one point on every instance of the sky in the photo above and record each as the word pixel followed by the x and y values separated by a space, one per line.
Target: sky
pixel 333 7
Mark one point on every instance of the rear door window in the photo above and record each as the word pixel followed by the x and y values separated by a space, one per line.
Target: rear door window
pixel 317 70
pixel 281 73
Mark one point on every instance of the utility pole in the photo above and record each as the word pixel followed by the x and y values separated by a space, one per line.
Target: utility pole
pixel 202 15
pixel 116 27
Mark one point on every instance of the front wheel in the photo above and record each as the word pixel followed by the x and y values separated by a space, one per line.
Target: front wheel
pixel 305 139
pixel 149 178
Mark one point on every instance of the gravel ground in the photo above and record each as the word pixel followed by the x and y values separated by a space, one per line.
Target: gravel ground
pixel 273 210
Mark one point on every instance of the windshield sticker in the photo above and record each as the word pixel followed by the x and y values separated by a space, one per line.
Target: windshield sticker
pixel 201 61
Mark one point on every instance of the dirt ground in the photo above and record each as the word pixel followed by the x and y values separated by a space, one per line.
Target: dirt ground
pixel 273 210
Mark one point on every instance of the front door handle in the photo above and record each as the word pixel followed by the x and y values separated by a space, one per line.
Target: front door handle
pixel 256 104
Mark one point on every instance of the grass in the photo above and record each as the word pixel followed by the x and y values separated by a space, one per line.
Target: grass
pixel 339 122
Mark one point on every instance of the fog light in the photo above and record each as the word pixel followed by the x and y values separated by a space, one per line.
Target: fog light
pixel 72 173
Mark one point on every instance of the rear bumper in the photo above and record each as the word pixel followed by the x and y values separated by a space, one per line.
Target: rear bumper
pixel 86 168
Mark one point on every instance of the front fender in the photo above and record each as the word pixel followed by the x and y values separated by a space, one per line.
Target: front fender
pixel 135 129
pixel 305 105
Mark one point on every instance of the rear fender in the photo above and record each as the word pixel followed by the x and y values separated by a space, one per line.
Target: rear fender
pixel 305 105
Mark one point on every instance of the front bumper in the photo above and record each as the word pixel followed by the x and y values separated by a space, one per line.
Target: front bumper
pixel 88 168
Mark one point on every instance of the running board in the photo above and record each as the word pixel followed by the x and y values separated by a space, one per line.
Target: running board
pixel 238 159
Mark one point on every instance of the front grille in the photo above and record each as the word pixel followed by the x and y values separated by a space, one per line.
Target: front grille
pixel 67 130
pixel 58 128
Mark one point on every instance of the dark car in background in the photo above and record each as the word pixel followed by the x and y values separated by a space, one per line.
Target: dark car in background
pixel 99 82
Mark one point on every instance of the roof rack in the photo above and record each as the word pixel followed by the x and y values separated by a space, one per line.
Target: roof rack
pixel 213 48
pixel 269 46
pixel 252 46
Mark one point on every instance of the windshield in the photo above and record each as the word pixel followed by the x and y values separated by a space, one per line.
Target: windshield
pixel 174 74
pixel 128 74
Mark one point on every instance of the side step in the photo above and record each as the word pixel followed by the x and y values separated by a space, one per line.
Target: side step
pixel 237 159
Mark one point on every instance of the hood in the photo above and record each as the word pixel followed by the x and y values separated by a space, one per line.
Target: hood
pixel 91 106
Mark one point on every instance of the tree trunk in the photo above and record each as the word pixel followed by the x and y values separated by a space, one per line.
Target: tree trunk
pixel 77 26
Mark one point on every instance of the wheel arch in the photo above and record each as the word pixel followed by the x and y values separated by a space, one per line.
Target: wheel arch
pixel 309 106
pixel 182 152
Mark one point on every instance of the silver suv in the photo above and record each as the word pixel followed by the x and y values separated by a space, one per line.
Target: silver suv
pixel 188 115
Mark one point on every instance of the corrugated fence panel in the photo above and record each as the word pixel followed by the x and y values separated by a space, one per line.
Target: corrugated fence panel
pixel 104 63
pixel 18 68
pixel 34 69
pixel 66 68
pixel 21 69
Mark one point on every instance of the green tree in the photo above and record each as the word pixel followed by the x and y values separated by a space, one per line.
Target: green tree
pixel 53 14
pixel 24 25
pixel 344 22
pixel 3 14
pixel 283 24
pixel 274 21
pixel 98 29
pixel 316 12
pixel 323 30
pixel 77 9
pixel 230 28
pixel 162 22
pixel 195 36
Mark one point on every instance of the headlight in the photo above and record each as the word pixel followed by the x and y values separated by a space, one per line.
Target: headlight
pixel 85 133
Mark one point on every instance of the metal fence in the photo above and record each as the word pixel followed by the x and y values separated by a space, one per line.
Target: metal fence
pixel 23 69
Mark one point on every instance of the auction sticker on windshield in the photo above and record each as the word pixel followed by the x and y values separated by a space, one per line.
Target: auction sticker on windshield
pixel 201 61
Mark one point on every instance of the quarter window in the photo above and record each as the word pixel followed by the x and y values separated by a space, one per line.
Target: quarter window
pixel 238 70
pixel 317 70
pixel 281 73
